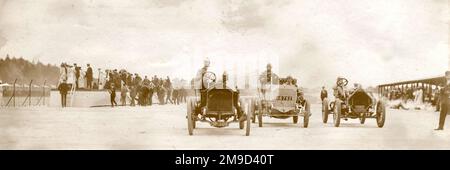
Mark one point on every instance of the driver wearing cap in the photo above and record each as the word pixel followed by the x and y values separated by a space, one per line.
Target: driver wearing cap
pixel 268 77
pixel 340 91
pixel 199 77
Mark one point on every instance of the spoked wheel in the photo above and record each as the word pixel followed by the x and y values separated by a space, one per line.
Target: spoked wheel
pixel 247 130
pixel 381 114
pixel 252 110
pixel 295 119
pixel 337 113
pixel 241 124
pixel 325 110
pixel 241 121
pixel 362 118
pixel 260 112
pixel 190 121
pixel 194 123
pixel 306 115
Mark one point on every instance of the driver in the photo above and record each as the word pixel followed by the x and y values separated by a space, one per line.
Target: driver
pixel 340 89
pixel 199 77
pixel 356 86
pixel 267 78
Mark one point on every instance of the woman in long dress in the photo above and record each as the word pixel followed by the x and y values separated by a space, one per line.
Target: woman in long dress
pixel 82 80
pixel 62 73
pixel 70 75
pixel 420 96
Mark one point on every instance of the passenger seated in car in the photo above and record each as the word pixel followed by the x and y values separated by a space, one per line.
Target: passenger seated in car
pixel 300 97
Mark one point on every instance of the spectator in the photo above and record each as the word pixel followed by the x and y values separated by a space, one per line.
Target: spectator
pixel 123 94
pixel 116 78
pixel 176 97
pixel 183 94
pixel 161 92
pixel 70 76
pixel 444 102
pixel 129 79
pixel 112 92
pixel 400 105
pixel 323 93
pixel 63 73
pixel 95 86
pixel 77 75
pixel 437 101
pixel 150 93
pixel 89 76
pixel 137 80
pixel 63 89
pixel 143 95
pixel 133 94
pixel 169 90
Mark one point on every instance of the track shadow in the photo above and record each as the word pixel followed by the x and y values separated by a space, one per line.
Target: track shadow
pixel 225 131
pixel 352 125
pixel 280 124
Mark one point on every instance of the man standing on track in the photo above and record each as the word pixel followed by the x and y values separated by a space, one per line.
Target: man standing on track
pixel 89 76
pixel 323 93
pixel 63 89
pixel 445 102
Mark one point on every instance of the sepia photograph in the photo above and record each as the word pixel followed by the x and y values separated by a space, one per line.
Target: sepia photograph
pixel 224 75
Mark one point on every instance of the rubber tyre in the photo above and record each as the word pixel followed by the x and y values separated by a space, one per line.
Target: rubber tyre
pixel 260 112
pixel 247 130
pixel 190 122
pixel 325 110
pixel 306 116
pixel 381 114
pixel 337 113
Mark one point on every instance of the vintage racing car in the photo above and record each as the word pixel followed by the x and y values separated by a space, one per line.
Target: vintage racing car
pixel 356 104
pixel 217 106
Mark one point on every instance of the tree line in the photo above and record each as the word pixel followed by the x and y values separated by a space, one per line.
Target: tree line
pixel 25 71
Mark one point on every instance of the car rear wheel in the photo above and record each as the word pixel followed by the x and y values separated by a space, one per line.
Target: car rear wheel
pixel 306 116
pixel 381 114
pixel 337 113
pixel 325 110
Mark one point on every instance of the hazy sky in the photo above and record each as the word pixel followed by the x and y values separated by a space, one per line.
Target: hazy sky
pixel 367 41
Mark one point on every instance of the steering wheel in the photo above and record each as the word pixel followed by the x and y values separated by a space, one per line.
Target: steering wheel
pixel 209 78
pixel 342 82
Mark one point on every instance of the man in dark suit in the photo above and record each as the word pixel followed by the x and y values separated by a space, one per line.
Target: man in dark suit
pixel 444 102
pixel 77 75
pixel 89 76
pixel 63 89
pixel 323 93
pixel 112 94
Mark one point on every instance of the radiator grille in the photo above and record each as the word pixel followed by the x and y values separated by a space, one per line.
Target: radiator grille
pixel 220 100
